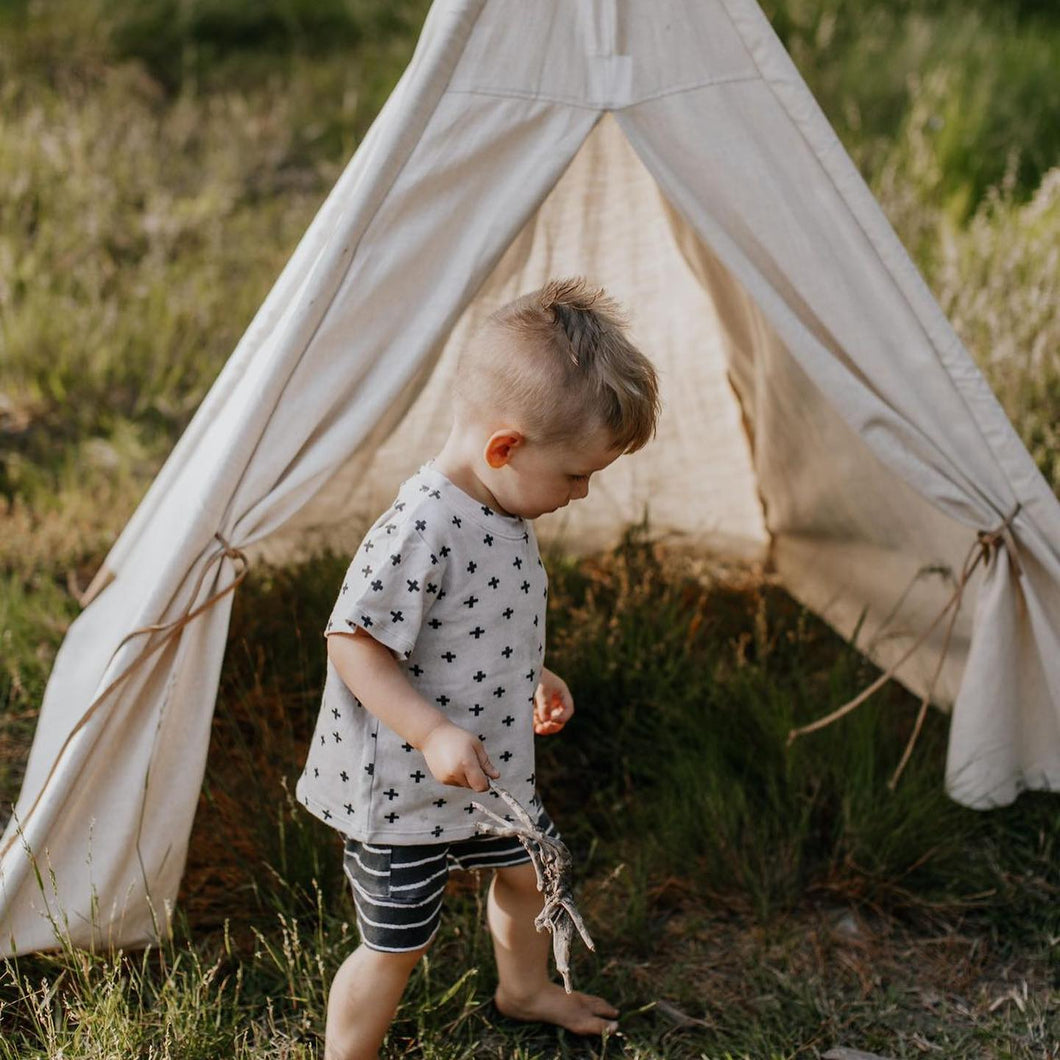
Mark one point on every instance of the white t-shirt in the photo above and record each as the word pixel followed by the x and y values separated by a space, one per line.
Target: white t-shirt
pixel 458 592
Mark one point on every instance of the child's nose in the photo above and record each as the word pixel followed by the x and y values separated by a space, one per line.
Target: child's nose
pixel 580 490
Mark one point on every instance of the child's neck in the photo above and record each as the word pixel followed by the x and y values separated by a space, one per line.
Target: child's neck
pixel 456 460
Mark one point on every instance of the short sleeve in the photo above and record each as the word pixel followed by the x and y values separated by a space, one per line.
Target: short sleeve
pixel 390 586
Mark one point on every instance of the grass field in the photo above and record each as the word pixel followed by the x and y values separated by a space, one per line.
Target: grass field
pixel 158 161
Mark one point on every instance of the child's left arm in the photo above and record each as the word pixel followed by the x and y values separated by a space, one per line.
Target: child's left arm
pixel 553 703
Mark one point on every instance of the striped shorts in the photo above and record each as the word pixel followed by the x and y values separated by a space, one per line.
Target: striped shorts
pixel 398 890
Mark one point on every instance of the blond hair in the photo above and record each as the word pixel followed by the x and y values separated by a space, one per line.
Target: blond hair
pixel 559 361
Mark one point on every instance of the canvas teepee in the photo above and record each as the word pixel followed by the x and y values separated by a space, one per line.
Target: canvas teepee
pixel 818 409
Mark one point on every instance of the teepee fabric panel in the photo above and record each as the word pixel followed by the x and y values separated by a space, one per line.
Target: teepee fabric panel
pixel 343 346
pixel 773 194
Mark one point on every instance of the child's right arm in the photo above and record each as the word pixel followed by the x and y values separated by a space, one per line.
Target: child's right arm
pixel 370 671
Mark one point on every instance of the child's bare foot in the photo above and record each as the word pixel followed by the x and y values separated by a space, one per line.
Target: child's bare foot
pixel 577 1012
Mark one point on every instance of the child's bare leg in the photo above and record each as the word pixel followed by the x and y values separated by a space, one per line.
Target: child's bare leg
pixel 525 990
pixel 364 996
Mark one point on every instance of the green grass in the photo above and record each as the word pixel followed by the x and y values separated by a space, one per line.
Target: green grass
pixel 782 903
pixel 158 162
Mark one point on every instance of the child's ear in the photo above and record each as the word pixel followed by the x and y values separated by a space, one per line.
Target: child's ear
pixel 500 446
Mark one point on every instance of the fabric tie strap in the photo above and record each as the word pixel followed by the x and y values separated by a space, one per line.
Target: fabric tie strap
pixel 983 548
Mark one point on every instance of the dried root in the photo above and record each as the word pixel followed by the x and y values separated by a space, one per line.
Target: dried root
pixel 552 863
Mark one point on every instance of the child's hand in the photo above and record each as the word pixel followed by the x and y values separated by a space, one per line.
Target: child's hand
pixel 457 757
pixel 553 704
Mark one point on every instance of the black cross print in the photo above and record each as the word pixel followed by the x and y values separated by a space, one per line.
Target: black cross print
pixel 530 676
pixel 444 551
pixel 338 738
pixel 344 776
pixel 391 794
pixel 472 567
pixel 442 701
pixel 535 620
pixel 525 587
pixel 508 720
pixel 366 570
pixel 392 817
pixel 344 589
pixel 476 632
pixel 507 612
pixel 436 495
pixel 439 803
pixel 349 807
pixel 479 676
pixel 532 779
pixel 448 656
pixel 471 600
pixel 377 585
pixel 470 808
pixel 406 747
pixel 517 562
pixel 545 593
pixel 416 669
pixel 397 616
pixel 431 587
pixel 486 511
pixel 335 712
pixel 413 584
pixel 322 740
pixel 369 545
pixel 316 772
pixel 370 769
pixel 391 527
pixel 494 582
pixel 327 815
pixel 506 757
pixel 507 653
pixel 476 710
pixel 437 830
pixel 366 621
pixel 456 521
pixel 488 540
pixel 399 506
pixel 435 623
pixel 499 691
pixel 434 558
pixel 417 776
pixel 526 536
pixel 424 488
pixel 395 558
pixel 421 524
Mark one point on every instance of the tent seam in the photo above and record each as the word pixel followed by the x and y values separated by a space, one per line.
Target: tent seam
pixel 504 93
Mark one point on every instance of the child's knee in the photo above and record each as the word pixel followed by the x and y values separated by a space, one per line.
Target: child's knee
pixel 399 959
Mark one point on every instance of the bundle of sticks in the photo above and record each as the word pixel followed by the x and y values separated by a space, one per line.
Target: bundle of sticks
pixel 552 863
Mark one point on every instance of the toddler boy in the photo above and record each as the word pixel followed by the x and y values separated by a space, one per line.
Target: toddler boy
pixel 436 677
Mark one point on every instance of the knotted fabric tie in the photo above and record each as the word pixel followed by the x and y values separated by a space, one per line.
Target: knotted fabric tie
pixel 982 548
pixel 167 631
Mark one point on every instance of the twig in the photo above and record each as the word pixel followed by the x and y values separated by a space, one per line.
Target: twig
pixel 552 864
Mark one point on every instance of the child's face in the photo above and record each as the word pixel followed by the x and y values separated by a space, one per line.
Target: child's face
pixel 538 478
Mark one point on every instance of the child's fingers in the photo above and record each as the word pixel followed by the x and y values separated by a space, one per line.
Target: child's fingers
pixel 484 761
